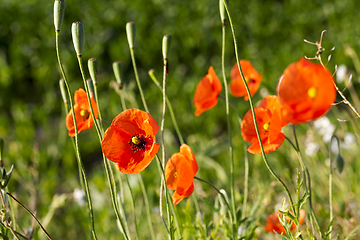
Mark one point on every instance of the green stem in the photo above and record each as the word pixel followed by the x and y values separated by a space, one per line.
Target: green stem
pixel 147 206
pixel 106 164
pixel 232 182
pixel 253 112
pixel 78 157
pixel 152 76
pixel 133 206
pixel 221 194
pixel 137 79
pixel 307 180
pixel 330 184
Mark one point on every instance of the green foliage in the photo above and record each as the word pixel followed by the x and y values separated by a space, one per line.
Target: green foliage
pixel 270 34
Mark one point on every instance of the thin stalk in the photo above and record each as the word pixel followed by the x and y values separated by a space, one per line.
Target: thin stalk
pixel 307 180
pixel 8 223
pixel 121 202
pixel 137 79
pixel 163 184
pixel 147 206
pixel 152 76
pixel 232 181
pixel 169 206
pixel 330 184
pixel 162 132
pixel 78 157
pixel 246 184
pixel 221 194
pixel 42 228
pixel 143 189
pixel 253 112
pixel 98 105
pixel 106 164
pixel 133 206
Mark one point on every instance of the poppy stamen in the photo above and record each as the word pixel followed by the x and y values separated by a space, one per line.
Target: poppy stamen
pixel 137 142
pixel 85 114
pixel 176 175
pixel 312 92
pixel 266 126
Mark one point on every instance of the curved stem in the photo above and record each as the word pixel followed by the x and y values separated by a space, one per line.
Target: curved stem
pixel 106 163
pixel 137 79
pixel 153 78
pixel 330 184
pixel 253 112
pixel 133 206
pixel 78 157
pixel 232 183
pixel 221 194
pixel 307 179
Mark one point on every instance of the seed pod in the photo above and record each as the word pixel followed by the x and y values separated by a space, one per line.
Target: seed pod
pixel 77 30
pixel 59 10
pixel 339 163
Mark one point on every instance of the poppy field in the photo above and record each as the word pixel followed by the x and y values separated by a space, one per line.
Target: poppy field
pixel 179 119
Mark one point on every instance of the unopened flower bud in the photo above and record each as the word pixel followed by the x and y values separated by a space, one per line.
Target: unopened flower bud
pixel 59 10
pixel 222 11
pixel 339 163
pixel 131 33
pixel 93 66
pixel 166 44
pixel 118 69
pixel 77 30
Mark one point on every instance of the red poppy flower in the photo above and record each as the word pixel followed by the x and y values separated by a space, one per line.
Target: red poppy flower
pixel 130 141
pixel 180 171
pixel 269 122
pixel 252 77
pixel 82 110
pixel 207 91
pixel 306 91
pixel 273 223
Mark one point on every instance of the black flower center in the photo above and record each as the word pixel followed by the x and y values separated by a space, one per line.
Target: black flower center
pixel 137 142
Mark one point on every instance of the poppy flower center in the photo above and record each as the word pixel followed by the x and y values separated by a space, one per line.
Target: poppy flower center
pixel 85 114
pixel 137 142
pixel 266 126
pixel 176 175
pixel 249 80
pixel 312 92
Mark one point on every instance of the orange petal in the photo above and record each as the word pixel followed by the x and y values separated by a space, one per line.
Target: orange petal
pixel 248 131
pixel 237 86
pixel 207 92
pixel 176 197
pixel 116 142
pixel 186 150
pixel 267 145
pixel 293 91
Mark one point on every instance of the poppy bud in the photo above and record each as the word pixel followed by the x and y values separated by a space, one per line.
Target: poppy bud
pixel 118 69
pixel 59 10
pixel 93 66
pixel 77 30
pixel 166 44
pixel 339 163
pixel 131 33
pixel 222 10
pixel 63 91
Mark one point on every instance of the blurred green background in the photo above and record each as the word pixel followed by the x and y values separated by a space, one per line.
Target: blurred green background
pixel 269 33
